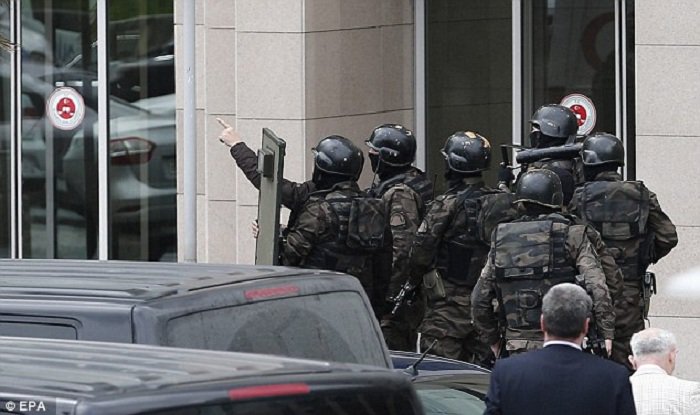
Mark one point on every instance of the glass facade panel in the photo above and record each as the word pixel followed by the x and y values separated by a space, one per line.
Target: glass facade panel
pixel 59 156
pixel 469 76
pixel 5 134
pixel 142 130
pixel 631 147
pixel 573 51
pixel 59 134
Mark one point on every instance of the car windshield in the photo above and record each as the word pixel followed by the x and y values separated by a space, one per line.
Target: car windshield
pixel 445 399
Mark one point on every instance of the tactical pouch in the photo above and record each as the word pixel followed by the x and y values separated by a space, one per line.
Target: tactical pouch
pixel 367 223
pixel 529 308
pixel 434 288
pixel 460 269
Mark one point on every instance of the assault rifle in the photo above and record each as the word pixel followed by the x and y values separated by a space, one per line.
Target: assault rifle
pixel 404 297
pixel 526 156
pixel 565 152
pixel 593 342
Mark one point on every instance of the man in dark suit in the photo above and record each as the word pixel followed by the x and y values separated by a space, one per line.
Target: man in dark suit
pixel 559 378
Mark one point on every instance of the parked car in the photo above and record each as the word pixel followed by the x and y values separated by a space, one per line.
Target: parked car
pixel 274 310
pixel 75 377
pixel 445 386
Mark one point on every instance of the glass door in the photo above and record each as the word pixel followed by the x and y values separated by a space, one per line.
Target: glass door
pixel 66 117
pixel 6 130
pixel 582 47
pixel 142 185
pixel 58 139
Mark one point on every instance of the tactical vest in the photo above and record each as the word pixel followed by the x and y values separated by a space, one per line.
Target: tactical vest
pixel 619 211
pixel 418 183
pixel 575 167
pixel 462 253
pixel 357 231
pixel 530 257
pixel 495 207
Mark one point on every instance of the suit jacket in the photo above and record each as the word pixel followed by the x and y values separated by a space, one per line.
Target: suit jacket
pixel 557 380
pixel 656 392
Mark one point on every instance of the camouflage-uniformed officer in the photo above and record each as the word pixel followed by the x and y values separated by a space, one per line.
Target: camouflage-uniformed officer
pixel 632 224
pixel 613 275
pixel 448 240
pixel 527 257
pixel 406 192
pixel 293 194
pixel 338 228
pixel 555 125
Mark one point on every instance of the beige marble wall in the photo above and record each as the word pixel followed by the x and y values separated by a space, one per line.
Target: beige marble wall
pixel 668 138
pixel 304 68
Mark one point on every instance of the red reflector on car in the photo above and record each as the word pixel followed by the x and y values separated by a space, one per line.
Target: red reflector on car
pixel 268 391
pixel 271 292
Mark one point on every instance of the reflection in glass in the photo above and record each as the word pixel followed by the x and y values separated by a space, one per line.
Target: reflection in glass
pixel 59 165
pixel 59 198
pixel 142 130
pixel 5 135
pixel 573 51
pixel 469 75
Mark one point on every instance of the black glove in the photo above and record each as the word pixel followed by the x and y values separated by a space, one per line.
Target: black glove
pixel 505 174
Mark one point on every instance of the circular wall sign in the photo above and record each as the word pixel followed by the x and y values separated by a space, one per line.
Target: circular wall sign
pixel 583 108
pixel 65 108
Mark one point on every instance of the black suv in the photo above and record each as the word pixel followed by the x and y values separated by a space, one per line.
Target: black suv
pixel 273 310
pixel 41 376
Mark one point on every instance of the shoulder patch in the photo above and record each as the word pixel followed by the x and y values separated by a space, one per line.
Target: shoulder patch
pixel 397 219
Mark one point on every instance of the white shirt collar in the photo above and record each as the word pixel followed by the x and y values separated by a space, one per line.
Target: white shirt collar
pixel 563 343
pixel 650 368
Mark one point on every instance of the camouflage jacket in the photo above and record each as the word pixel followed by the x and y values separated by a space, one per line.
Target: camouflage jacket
pixel 405 205
pixel 658 224
pixel 581 252
pixel 315 224
pixel 613 274
pixel 316 240
pixel 439 227
pixel 293 194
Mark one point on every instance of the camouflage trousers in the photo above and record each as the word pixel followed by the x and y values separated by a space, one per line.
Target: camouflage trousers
pixel 449 321
pixel 628 320
pixel 401 330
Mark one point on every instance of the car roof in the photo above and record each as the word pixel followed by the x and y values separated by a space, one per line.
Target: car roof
pixel 126 281
pixel 79 369
pixel 434 365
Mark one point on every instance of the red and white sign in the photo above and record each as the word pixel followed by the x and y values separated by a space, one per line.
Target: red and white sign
pixel 65 108
pixel 583 108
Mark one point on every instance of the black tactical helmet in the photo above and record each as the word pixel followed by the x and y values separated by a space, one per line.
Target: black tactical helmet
pixel 554 123
pixel 395 144
pixel 602 148
pixel 540 186
pixel 338 155
pixel 467 152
